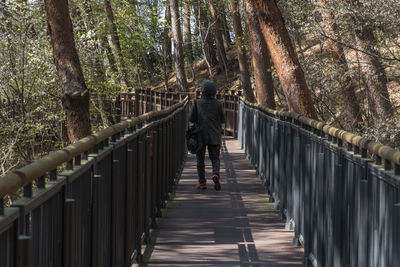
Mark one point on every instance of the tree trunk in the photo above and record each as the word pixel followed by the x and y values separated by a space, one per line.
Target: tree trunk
pixel 205 35
pixel 110 57
pixel 241 52
pixel 187 35
pixel 167 37
pixel 226 34
pixel 115 44
pixel 218 27
pixel 260 58
pixel 285 59
pixel 347 86
pixel 181 81
pixel 99 73
pixel 148 65
pixel 74 93
pixel 373 73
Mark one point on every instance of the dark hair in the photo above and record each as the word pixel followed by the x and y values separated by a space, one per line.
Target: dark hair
pixel 208 88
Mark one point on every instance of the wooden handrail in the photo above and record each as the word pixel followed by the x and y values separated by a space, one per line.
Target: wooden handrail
pixel 11 182
pixel 383 151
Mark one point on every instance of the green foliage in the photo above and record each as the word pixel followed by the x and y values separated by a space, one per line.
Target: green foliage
pixel 30 112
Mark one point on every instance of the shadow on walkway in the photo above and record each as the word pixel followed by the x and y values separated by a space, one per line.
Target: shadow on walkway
pixel 232 227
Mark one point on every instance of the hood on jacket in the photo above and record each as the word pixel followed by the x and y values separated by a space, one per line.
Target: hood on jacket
pixel 208 88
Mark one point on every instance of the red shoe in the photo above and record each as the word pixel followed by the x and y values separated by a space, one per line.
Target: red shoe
pixel 217 185
pixel 202 186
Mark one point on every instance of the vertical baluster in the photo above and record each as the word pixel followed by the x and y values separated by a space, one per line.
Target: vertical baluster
pixel 115 215
pixel 24 251
pixel 95 219
pixel 148 186
pixel 1 206
pixel 129 209
pixel 41 182
pixel 140 210
pixel 53 175
pixel 396 169
pixel 395 253
pixel 337 215
pixel 69 232
pixel 28 190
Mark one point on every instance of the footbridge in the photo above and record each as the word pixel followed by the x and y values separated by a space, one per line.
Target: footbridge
pixel 295 192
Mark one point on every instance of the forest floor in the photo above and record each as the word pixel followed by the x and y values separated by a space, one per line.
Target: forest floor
pixel 196 74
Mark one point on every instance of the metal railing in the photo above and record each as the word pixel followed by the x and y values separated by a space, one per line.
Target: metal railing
pixel 99 210
pixel 142 101
pixel 338 191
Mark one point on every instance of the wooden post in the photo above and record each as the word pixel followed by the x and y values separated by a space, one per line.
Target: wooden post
pixel 69 232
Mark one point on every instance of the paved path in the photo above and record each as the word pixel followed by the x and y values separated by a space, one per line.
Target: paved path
pixel 233 227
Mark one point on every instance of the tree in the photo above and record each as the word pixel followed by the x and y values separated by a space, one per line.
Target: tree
pixel 226 31
pixel 181 81
pixel 260 58
pixel 115 44
pixel 204 27
pixel 187 35
pixel 285 58
pixel 347 86
pixel 104 104
pixel 74 93
pixel 215 7
pixel 241 52
pixel 373 73
pixel 167 45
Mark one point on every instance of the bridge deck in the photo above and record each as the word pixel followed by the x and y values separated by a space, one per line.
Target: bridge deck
pixel 234 227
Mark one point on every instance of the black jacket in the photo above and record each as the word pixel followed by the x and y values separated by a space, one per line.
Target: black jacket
pixel 208 113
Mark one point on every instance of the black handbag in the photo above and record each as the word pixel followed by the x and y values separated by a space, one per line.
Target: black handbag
pixel 193 137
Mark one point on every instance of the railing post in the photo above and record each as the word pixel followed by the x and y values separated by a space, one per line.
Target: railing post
pixel 1 206
pixel 118 109
pixel 337 215
pixel 235 117
pixel 95 218
pixel 395 253
pixel 140 206
pixel 69 232
pixel 148 185
pixel 136 106
pixel 129 208
pixel 296 191
pixel 363 227
pixel 24 251
pixel 320 188
pixel 114 232
pixel 226 114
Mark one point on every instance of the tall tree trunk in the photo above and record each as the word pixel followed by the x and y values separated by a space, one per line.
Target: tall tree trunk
pixel 181 81
pixel 372 70
pixel 148 65
pixel 110 57
pixel 347 86
pixel 241 52
pixel 260 58
pixel 115 44
pixel 187 35
pixel 167 37
pixel 218 29
pixel 74 93
pixel 285 59
pixel 226 34
pixel 373 73
pixel 99 74
pixel 205 35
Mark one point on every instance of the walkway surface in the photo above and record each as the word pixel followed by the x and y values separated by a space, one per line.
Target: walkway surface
pixel 233 227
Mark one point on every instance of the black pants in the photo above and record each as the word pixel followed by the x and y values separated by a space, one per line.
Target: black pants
pixel 213 153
